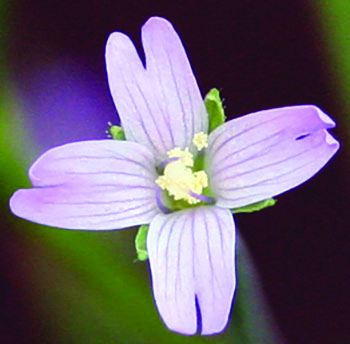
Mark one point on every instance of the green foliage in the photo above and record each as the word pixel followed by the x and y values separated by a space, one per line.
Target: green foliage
pixel 215 109
pixel 334 19
pixel 255 206
pixel 140 243
pixel 116 132
pixel 252 319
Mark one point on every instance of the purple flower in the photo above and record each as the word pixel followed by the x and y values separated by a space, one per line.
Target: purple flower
pixel 170 174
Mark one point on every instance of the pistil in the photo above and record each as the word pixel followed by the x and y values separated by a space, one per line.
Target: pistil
pixel 179 180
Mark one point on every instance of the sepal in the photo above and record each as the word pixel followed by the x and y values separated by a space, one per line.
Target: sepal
pixel 140 243
pixel 116 132
pixel 215 109
pixel 255 206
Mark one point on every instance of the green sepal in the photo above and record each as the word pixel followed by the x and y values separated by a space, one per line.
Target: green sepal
pixel 140 243
pixel 116 132
pixel 255 206
pixel 215 109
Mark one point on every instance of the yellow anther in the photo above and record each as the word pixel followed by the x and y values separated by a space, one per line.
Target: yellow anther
pixel 201 181
pixel 200 140
pixel 179 180
pixel 184 155
pixel 163 182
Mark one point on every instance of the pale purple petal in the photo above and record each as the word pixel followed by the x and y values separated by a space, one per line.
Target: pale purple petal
pixel 178 98
pixel 191 256
pixel 263 154
pixel 161 107
pixel 91 185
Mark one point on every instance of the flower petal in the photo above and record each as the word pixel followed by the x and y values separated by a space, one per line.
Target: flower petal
pixel 94 185
pixel 178 96
pixel 191 255
pixel 263 154
pixel 161 107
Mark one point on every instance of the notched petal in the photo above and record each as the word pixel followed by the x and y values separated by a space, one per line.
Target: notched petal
pixel 92 185
pixel 191 255
pixel 263 154
pixel 160 106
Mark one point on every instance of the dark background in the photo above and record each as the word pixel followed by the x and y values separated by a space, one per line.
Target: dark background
pixel 260 54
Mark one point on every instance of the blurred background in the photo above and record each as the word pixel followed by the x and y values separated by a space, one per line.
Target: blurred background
pixel 62 286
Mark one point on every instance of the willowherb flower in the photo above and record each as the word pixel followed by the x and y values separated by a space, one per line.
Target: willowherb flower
pixel 177 174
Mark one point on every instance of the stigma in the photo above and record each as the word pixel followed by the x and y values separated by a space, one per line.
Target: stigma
pixel 179 180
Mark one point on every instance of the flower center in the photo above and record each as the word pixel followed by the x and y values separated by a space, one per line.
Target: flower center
pixel 179 179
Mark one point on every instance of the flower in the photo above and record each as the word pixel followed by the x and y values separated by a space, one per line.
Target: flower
pixel 171 174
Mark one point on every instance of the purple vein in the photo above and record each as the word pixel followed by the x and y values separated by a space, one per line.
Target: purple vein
pixel 119 187
pixel 167 251
pixel 260 183
pixel 115 213
pixel 102 202
pixel 166 117
pixel 221 238
pixel 152 117
pixel 107 172
pixel 127 217
pixel 113 157
pixel 178 264
pixel 180 100
pixel 236 135
pixel 269 165
pixel 249 146
pixel 212 274
pixel 139 116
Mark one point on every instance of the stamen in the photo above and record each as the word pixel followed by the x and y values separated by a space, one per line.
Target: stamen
pixel 202 198
pixel 160 203
pixel 166 162
pixel 184 155
pixel 179 180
